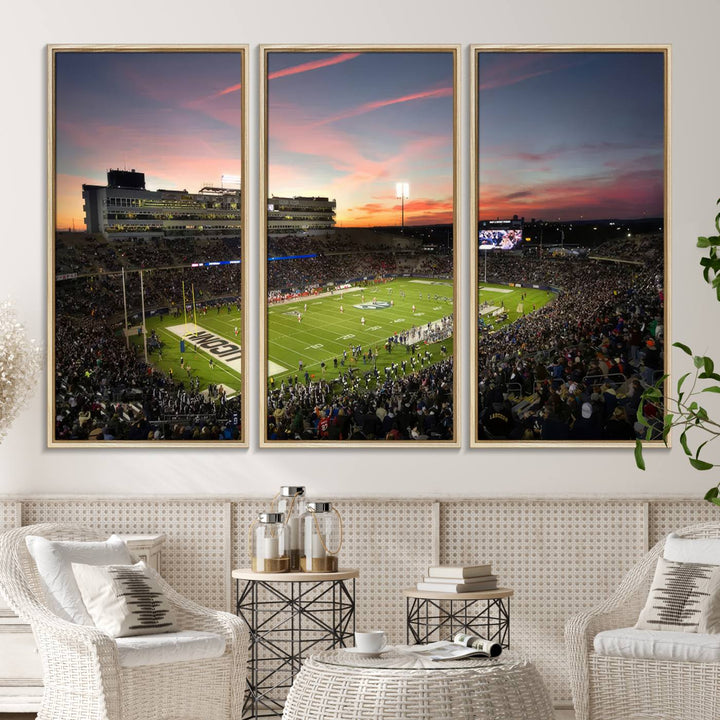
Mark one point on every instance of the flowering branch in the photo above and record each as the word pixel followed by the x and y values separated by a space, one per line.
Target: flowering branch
pixel 19 366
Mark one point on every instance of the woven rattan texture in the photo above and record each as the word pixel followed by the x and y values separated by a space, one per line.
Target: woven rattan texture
pixel 509 692
pixel 391 544
pixel 668 515
pixel 7 515
pixel 193 555
pixel 82 677
pixel 560 557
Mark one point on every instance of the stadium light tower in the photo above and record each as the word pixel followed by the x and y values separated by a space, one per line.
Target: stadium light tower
pixel 402 191
pixel 485 249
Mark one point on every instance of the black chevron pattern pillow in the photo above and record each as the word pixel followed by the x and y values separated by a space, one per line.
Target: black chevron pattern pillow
pixel 684 597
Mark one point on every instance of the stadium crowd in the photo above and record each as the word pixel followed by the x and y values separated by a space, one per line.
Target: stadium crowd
pixel 575 368
pixel 418 406
pixel 105 391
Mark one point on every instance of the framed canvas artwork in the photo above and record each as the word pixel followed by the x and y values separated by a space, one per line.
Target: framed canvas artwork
pixel 569 240
pixel 146 306
pixel 359 257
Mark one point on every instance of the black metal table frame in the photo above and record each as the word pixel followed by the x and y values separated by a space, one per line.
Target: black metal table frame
pixel 426 617
pixel 295 623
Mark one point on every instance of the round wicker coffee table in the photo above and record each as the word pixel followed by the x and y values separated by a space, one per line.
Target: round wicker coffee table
pixel 340 685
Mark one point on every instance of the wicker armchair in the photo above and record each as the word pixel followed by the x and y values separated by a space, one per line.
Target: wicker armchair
pixel 81 671
pixel 614 688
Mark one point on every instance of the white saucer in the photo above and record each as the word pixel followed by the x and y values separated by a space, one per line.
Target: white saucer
pixel 359 653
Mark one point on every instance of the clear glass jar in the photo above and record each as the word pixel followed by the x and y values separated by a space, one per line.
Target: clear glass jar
pixel 322 538
pixel 291 503
pixel 269 547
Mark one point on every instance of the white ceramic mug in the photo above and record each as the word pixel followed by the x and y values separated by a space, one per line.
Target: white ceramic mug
pixel 373 641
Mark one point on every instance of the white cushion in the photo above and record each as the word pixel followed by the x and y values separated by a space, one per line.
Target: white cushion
pixel 658 645
pixel 692 550
pixel 169 648
pixel 124 600
pixel 54 559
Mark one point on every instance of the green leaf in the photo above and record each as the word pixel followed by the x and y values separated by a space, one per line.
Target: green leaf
pixel 703 242
pixel 684 443
pixel 715 501
pixel 709 376
pixel 640 417
pixel 712 493
pixel 700 447
pixel 699 361
pixel 683 347
pixel 708 364
pixel 639 461
pixel 701 464
pixel 712 388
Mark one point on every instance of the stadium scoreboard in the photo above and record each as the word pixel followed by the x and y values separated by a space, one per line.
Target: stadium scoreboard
pixel 500 234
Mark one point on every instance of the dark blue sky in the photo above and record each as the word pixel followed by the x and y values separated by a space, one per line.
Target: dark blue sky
pixel 571 134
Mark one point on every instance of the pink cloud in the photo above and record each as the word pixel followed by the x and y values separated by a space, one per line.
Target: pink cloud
pixel 515 68
pixel 377 104
pixel 633 193
pixel 313 65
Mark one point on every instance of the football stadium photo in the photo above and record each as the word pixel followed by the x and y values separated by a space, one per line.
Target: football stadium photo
pixel 360 235
pixel 570 285
pixel 148 324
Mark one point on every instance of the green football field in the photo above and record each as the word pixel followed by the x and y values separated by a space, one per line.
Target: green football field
pixel 516 301
pixel 315 329
pixel 324 332
pixel 222 324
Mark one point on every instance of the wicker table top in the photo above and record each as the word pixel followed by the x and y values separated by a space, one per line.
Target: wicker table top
pixel 482 595
pixel 401 657
pixel 327 688
pixel 248 574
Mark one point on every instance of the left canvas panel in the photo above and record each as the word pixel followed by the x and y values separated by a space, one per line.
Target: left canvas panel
pixel 146 271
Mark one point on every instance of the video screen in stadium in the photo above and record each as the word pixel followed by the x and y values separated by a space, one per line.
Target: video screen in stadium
pixel 500 234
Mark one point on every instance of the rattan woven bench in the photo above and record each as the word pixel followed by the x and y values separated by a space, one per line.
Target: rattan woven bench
pixel 337 685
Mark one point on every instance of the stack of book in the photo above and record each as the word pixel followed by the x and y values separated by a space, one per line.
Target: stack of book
pixel 458 579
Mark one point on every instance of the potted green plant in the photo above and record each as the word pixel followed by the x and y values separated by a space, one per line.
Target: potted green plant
pixel 685 411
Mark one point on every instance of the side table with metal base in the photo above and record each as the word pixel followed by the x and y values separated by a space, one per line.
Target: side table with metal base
pixel 289 616
pixel 438 615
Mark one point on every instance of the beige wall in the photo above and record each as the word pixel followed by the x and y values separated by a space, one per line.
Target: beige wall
pixel 25 466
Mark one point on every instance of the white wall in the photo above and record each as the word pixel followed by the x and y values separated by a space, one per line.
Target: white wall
pixel 27 467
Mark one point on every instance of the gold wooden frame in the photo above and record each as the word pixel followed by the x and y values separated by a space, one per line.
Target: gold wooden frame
pixel 52 51
pixel 263 186
pixel 475 50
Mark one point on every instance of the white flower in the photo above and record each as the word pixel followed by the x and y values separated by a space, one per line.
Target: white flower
pixel 20 360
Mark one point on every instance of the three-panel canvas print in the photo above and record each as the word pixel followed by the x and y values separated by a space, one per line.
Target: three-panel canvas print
pixel 361 235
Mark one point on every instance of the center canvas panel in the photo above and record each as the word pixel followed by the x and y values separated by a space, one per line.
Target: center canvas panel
pixel 359 212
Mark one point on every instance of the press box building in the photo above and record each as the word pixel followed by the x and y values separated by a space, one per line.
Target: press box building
pixel 125 209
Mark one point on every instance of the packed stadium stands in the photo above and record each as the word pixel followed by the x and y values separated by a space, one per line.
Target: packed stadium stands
pixel 575 368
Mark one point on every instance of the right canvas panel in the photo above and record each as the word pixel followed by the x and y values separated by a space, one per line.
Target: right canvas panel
pixel 569 242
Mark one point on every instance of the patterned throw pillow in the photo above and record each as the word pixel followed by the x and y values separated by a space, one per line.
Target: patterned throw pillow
pixel 684 597
pixel 124 600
